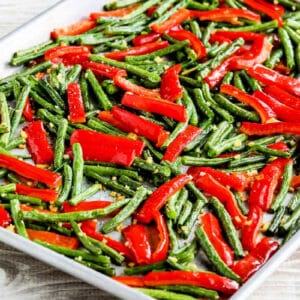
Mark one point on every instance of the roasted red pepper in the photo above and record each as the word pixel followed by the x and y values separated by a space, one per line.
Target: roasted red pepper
pixel 85 206
pixel 103 69
pixel 211 186
pixel 27 111
pixel 213 230
pixel 252 227
pixel 279 146
pixel 195 42
pixel 270 128
pixel 74 29
pixel 160 196
pixel 269 76
pixel 201 279
pixel 295 181
pixel 237 181
pixel 140 126
pixel 233 35
pixel 160 253
pixel 128 86
pixel 178 144
pixel 60 51
pixel 108 117
pixel 283 112
pixel 132 281
pixel 97 146
pixel 265 112
pixel 44 194
pixel 248 265
pixel 137 240
pixel 38 144
pixel 138 50
pixel 73 59
pixel 5 218
pixel 113 13
pixel 177 18
pixel 145 38
pixel 154 105
pixel 75 102
pixel 170 88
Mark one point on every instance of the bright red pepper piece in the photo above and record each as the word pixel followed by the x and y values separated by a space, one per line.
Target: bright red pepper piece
pixel 248 265
pixel 104 69
pixel 97 146
pixel 60 51
pixel 73 29
pixel 279 146
pixel 170 88
pixel 233 35
pixel 269 76
pixel 213 230
pixel 27 111
pixel 113 13
pixel 44 194
pixel 108 117
pixel 74 59
pixel 177 18
pixel 178 144
pixel 195 42
pixel 139 125
pixel 160 196
pixel 137 240
pixel 75 103
pixel 154 105
pixel 85 206
pixel 211 186
pixel 138 50
pixel 5 218
pixel 270 128
pixel 295 181
pixel 37 143
pixel 265 112
pixel 132 281
pixel 145 38
pixel 201 279
pixel 53 238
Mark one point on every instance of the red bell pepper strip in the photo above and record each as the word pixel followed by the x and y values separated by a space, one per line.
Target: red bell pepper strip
pixel 37 143
pixel 177 18
pixel 63 50
pixel 26 170
pixel 73 29
pixel 44 194
pixel 279 146
pixel 137 240
pixel 160 197
pixel 128 86
pixel 178 144
pixel 295 183
pixel 265 112
pixel 145 39
pixel 5 218
pixel 90 229
pixel 108 117
pixel 140 126
pixel 237 181
pixel 25 207
pixel 283 96
pixel 269 76
pixel 160 253
pixel 273 11
pixel 213 230
pixel 103 69
pixel 158 106
pixel 248 265
pixel 281 68
pixel 151 10
pixel 97 146
pixel 27 111
pixel 75 103
pixel 211 186
pixel 170 88
pixel 270 128
pixel 225 14
pixel 195 42
pixel 263 188
pixel 233 35
pixel 85 206
pixel 283 112
pixel 73 59
pixel 113 13
pixel 252 227
pixel 132 281
pixel 201 279
pixel 138 50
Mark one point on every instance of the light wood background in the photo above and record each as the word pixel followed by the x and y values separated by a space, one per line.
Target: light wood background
pixel 24 278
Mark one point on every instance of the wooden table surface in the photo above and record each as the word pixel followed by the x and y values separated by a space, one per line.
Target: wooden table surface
pixel 23 277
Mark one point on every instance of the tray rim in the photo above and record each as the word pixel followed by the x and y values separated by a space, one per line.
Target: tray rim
pixel 98 279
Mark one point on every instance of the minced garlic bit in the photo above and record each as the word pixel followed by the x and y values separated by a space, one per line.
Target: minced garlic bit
pixel 131 264
pixel 53 208
pixel 42 166
pixel 11 228
pixel 132 135
pixel 113 194
pixel 158 59
pixel 265 226
pixel 173 259
pixel 120 227
pixel 238 143
pixel 21 146
pixel 23 134
pixel 149 160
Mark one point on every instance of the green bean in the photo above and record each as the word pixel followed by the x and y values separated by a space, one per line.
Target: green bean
pixel 228 227
pixel 241 204
pixel 145 269
pixel 17 218
pixel 23 199
pixel 170 208
pixel 102 127
pixel 73 74
pixel 256 27
pixel 227 78
pixel 7 188
pixel 111 171
pixel 297 56
pixel 293 218
pixel 294 202
pixel 163 8
pixel 271 152
pixel 127 181
pixel 172 236
pixel 201 161
pixel 180 127
pixel 202 104
pixel 207 32
pixel 292 231
pixel 195 28
pixel 93 189
pixel 174 264
pixel 192 112
pixel 286 181
pixel 88 106
pixel 185 212
pixel 273 227
pixel 200 140
pixel 164 295
pixel 186 253
pixel 60 143
pixel 93 39
pixel 292 34
pixel 67 185
pixel 288 47
pixel 252 82
pixel 152 167
pixel 5 120
pixel 246 168
pixel 78 164
pixel 237 81
pixel 275 57
pixel 105 270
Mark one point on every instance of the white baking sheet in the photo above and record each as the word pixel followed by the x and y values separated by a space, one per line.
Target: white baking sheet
pixel 37 31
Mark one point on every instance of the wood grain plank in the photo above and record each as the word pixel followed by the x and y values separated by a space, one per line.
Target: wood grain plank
pixel 23 277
